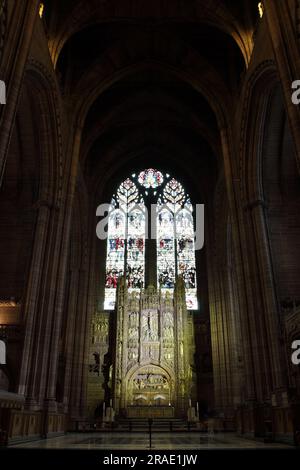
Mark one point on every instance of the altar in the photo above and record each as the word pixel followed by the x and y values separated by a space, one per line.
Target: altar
pixel 155 412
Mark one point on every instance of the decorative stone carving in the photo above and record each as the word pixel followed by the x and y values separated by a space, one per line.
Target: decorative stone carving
pixel 149 325
pixel 100 329
pixel 99 343
pixel 152 331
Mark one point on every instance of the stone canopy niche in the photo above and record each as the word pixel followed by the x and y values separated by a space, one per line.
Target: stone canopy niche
pixel 153 352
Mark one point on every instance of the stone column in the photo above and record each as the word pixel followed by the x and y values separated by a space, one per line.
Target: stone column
pixel 270 311
pixel 254 341
pixel 224 340
pixel 230 342
pixel 44 342
pixel 251 363
pixel 31 308
pixel 91 295
pixel 42 353
pixel 58 271
pixel 71 332
pixel 234 320
pixel 264 321
pixel 80 342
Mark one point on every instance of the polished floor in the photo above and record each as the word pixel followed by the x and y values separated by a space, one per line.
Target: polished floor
pixel 140 441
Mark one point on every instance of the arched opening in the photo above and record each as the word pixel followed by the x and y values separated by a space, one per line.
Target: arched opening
pixel 149 386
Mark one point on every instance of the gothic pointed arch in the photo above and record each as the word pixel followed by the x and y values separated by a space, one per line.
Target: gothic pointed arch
pixel 128 228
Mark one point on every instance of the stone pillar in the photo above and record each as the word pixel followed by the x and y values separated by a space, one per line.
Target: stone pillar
pixel 224 321
pixel 217 339
pixel 230 322
pixel 235 341
pixel 71 333
pixel 269 301
pixel 250 363
pixel 43 343
pixel 31 307
pixel 80 349
pixel 58 272
pixel 42 351
pixel 91 296
pixel 256 386
pixel 263 323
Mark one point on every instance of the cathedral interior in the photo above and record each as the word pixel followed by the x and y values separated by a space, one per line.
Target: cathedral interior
pixel 172 123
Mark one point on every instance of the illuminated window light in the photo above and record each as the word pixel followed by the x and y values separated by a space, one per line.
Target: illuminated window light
pixel 260 9
pixel 41 10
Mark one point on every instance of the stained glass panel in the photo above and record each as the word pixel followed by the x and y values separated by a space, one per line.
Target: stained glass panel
pixel 126 239
pixel 174 195
pixel 186 255
pixel 150 178
pixel 127 194
pixel 135 249
pixel 115 255
pixel 178 202
pixel 165 249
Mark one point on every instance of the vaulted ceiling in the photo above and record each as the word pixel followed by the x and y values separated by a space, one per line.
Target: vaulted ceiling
pixel 150 79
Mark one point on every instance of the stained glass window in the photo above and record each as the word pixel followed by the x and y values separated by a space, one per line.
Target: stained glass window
pixel 126 242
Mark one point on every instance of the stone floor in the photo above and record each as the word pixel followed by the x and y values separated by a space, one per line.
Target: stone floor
pixel 140 441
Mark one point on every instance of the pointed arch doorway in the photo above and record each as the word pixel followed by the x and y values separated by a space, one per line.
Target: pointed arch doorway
pixel 149 392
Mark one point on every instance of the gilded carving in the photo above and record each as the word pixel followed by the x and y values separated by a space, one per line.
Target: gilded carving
pixel 151 332
pixel 100 329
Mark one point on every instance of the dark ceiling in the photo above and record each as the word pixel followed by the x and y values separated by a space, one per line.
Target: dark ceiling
pixel 157 108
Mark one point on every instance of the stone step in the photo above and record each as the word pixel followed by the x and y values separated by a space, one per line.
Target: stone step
pixel 142 424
